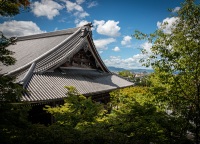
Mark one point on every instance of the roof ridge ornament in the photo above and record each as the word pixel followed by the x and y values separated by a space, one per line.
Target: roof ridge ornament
pixel 89 24
pixel 85 29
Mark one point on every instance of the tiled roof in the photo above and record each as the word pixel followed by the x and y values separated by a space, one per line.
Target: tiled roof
pixel 39 54
pixel 50 85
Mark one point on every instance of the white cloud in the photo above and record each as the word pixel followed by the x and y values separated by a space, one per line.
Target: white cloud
pixel 92 4
pixel 73 6
pixel 81 14
pixel 109 28
pixel 76 9
pixel 80 1
pixel 131 62
pixel 128 63
pixel 80 23
pixel 19 28
pixel 101 44
pixel 116 49
pixel 96 22
pixel 46 8
pixel 167 24
pixel 147 46
pixel 100 52
pixel 63 19
pixel 176 9
pixel 126 41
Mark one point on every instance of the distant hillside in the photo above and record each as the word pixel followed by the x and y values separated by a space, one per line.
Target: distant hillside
pixel 115 69
pixel 141 70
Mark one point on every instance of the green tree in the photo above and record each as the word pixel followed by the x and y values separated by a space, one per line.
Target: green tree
pixel 136 115
pixel 130 117
pixel 13 7
pixel 78 119
pixel 5 54
pixel 77 109
pixel 13 116
pixel 127 74
pixel 175 58
pixel 9 91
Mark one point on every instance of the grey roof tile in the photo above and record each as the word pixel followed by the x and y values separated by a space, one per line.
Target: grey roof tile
pixel 50 85
pixel 27 51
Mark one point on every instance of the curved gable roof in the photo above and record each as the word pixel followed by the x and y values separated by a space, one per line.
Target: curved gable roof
pixel 37 54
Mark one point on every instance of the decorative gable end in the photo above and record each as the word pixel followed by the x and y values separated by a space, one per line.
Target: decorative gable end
pixel 82 59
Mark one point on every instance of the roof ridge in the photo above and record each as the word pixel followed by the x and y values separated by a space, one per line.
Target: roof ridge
pixel 48 34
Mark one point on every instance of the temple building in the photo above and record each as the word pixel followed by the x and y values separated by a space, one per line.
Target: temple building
pixel 49 61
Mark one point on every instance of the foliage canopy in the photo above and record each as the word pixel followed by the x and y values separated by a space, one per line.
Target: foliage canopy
pixel 175 57
pixel 12 7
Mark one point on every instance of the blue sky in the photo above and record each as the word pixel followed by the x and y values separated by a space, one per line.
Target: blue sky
pixel 114 22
